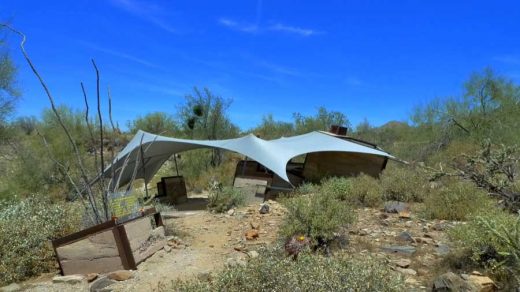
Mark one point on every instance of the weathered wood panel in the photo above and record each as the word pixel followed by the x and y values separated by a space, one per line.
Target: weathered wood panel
pixel 144 240
pixel 175 189
pixel 97 252
pixel 325 164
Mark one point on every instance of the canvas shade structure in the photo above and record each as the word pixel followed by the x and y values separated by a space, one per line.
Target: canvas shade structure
pixel 150 151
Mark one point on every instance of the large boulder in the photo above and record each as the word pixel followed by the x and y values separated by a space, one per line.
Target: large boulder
pixel 451 282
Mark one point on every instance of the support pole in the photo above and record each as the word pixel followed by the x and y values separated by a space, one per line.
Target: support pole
pixel 175 160
pixel 144 171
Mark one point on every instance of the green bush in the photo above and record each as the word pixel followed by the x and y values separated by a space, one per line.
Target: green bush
pixel 338 187
pixel 271 272
pixel 366 191
pixel 26 228
pixel 404 184
pixel 457 200
pixel 225 198
pixel 317 216
pixel 307 188
pixel 492 241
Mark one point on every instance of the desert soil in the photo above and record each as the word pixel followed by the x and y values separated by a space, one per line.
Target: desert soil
pixel 201 243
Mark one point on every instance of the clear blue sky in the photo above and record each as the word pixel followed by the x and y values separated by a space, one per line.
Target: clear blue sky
pixel 373 59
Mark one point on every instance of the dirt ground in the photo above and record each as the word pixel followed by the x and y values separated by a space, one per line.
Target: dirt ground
pixel 205 243
pixel 201 243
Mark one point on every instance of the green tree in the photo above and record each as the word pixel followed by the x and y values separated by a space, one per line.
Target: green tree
pixel 319 122
pixel 204 116
pixel 157 123
pixel 271 129
pixel 8 91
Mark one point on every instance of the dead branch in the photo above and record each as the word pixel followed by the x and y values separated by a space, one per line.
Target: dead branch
pixel 56 113
pixel 89 126
pixel 101 130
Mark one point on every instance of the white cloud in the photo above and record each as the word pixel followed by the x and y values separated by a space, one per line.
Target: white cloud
pixel 118 54
pixel 279 69
pixel 256 28
pixel 249 28
pixel 150 12
pixel 293 29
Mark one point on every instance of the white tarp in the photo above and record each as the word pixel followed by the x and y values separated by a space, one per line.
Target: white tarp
pixel 153 150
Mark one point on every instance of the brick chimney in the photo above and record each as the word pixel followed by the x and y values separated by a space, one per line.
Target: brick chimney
pixel 338 130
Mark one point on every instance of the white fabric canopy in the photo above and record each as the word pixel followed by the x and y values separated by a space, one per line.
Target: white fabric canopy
pixel 153 150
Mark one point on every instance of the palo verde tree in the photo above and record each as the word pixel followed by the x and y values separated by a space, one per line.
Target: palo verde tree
pixel 8 90
pixel 319 122
pixel 160 123
pixel 204 116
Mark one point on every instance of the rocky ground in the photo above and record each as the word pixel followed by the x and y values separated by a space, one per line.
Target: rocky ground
pixel 203 243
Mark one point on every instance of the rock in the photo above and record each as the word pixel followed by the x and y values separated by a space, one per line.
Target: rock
pixel 450 282
pixel 101 283
pixel 120 275
pixel 405 214
pixel 167 248
pixel 363 232
pixel 11 288
pixel 402 263
pixel 482 283
pixel 410 272
pixel 255 225
pixel 406 236
pixel 252 234
pixel 91 277
pixel 442 249
pixel 253 254
pixel 385 222
pixel 408 224
pixel 411 281
pixel 264 208
pixel 425 240
pixel 231 212
pixel 395 207
pixel 439 226
pixel 408 250
pixel 70 279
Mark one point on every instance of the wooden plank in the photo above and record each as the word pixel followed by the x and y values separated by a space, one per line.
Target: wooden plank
pixel 125 251
pixel 158 219
pixel 83 233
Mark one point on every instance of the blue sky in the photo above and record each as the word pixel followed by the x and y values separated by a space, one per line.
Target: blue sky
pixel 368 59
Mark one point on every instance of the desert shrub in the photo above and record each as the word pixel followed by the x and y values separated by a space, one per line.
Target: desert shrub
pixel 307 188
pixel 456 200
pixel 337 187
pixel 26 228
pixel 224 198
pixel 318 216
pixel 271 272
pixel 162 207
pixel 492 241
pixel 198 172
pixel 366 191
pixel 404 184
